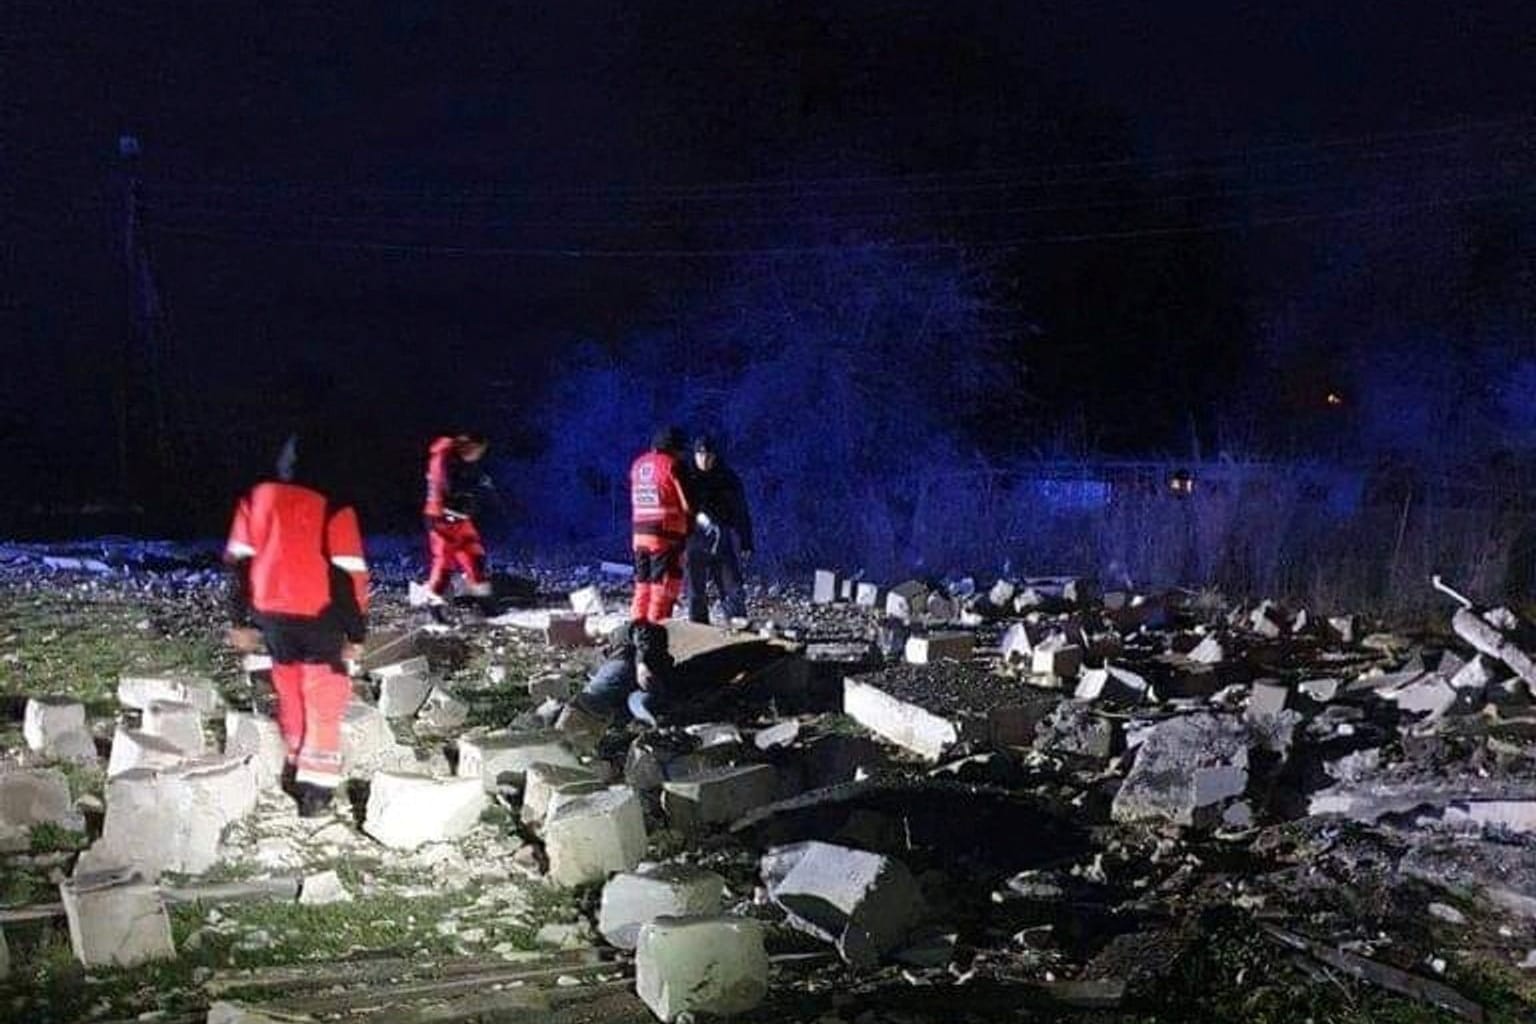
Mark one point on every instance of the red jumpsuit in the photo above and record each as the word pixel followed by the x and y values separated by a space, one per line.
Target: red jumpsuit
pixel 659 519
pixel 451 534
pixel 303 580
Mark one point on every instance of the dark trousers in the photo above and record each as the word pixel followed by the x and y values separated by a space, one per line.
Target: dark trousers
pixel 717 562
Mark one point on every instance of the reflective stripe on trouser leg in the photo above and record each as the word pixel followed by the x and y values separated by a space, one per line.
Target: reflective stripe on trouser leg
pixel 288 683
pixel 326 694
pixel 667 570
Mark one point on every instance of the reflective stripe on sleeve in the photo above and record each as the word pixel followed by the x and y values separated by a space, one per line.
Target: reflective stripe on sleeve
pixel 350 563
pixel 239 549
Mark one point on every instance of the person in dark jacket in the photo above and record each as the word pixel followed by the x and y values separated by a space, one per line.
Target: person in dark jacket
pixel 300 582
pixel 721 542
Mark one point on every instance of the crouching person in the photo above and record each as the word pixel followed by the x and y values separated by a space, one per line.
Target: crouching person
pixel 632 683
pixel 300 582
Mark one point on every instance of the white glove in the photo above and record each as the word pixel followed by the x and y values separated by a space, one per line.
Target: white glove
pixel 703 520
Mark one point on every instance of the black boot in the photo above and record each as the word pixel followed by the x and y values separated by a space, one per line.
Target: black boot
pixel 286 782
pixel 314 800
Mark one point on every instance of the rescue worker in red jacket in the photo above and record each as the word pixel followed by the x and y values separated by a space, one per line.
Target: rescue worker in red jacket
pixel 300 581
pixel 659 517
pixel 454 483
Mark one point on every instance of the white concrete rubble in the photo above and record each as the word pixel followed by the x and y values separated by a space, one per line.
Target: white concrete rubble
pixel 56 728
pixel 234 1013
pixel 323 888
pixel 588 838
pixel 1056 658
pixel 718 796
pixel 248 733
pixel 116 919
pixel 34 796
pixel 824 587
pixel 178 723
pixel 932 647
pixel 443 712
pixel 137 691
pixel 864 903
pixel 132 749
pixel 714 966
pixel 173 819
pixel 1112 683
pixel 632 899
pixel 906 725
pixel 780 734
pixel 542 782
pixel 1185 770
pixel 406 810
pixel 588 600
pixel 366 737
pixel 401 695
pixel 906 601
pixel 867 595
pixel 495 756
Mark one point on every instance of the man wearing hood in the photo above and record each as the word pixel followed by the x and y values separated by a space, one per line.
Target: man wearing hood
pixel 721 541
pixel 300 582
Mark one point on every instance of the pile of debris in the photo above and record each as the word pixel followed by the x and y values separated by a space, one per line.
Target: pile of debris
pixel 1032 794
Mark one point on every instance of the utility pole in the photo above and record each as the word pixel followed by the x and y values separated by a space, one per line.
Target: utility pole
pixel 143 443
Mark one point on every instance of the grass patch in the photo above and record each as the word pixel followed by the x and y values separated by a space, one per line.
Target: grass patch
pixel 51 837
pixel 75 643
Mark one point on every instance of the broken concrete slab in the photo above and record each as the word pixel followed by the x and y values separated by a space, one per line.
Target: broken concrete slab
pixel 1430 695
pixel 407 810
pixel 506 756
pixel 365 736
pixel 248 733
pixel 542 782
pixel 780 734
pixel 824 587
pixel 1186 769
pixel 932 647
pixel 31 797
pixel 138 691
pixel 116 919
pixel 864 903
pixel 587 601
pixel 134 749
pixel 323 888
pixel 56 728
pixel 633 899
pixel 173 819
pixel 907 601
pixel 178 723
pixel 1018 642
pixel 1113 683
pixel 401 694
pixel 712 966
pixel 867 595
pixel 1489 639
pixel 1268 697
pixel 929 709
pixel 1075 729
pixel 442 712
pixel 590 837
pixel 1056 659
pixel 1477 675
pixel 718 796
pixel 1427 800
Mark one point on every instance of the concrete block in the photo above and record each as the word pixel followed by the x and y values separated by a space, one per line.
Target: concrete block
pixel 1320 690
pixel 1209 651
pixel 712 966
pixel 56 728
pixel 590 837
pixel 178 723
pixel 116 919
pixel 1112 683
pixel 406 810
pixel 1185 770
pixel 543 782
pixel 30 797
pixel 781 734
pixel 173 819
pixel 864 903
pixel 365 737
pixel 1477 675
pixel 907 601
pixel 904 724
pixel 718 796
pixel 323 888
pixel 401 695
pixel 138 691
pixel 1018 643
pixel 941 608
pixel 1001 594
pixel 714 734
pixel 866 595
pixel 824 587
pixel 588 601
pixel 256 735
pixel 1431 696
pixel 633 899
pixel 1268 697
pixel 567 629
pixel 499 756
pixel 443 712
pixel 846 588
pixel 950 646
pixel 1073 728
pixel 1055 658
pixel 132 749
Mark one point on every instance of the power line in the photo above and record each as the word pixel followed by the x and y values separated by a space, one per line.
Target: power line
pixel 399 248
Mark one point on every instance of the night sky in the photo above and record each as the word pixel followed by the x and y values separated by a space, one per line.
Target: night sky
pixel 411 213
